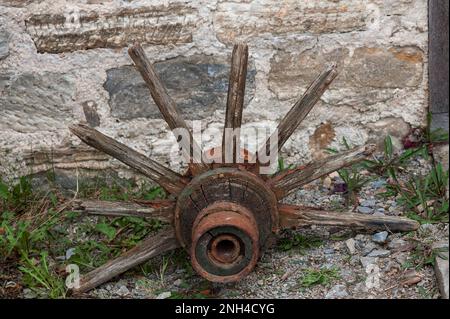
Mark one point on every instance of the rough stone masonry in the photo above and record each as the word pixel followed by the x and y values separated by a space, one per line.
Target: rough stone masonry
pixel 66 61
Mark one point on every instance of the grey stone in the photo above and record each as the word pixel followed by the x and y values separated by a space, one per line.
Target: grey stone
pixel 365 210
pixel 178 282
pixel 164 295
pixel 197 84
pixel 378 183
pixel 365 261
pixel 337 292
pixel 368 203
pixel 441 270
pixel 123 291
pixel 381 237
pixel 379 253
pixel 4 44
pixel 29 294
pixel 350 243
pixel 328 251
pixel 396 243
pixel 33 102
pixel 367 249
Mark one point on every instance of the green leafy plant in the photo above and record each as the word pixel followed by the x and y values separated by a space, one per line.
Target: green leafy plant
pixel 38 274
pixel 424 255
pixel 424 197
pixel 323 276
pixel 352 177
pixel 390 162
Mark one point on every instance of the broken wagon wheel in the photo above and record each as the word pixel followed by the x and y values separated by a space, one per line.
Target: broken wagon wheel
pixel 224 215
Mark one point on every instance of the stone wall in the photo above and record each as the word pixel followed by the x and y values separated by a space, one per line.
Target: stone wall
pixel 66 61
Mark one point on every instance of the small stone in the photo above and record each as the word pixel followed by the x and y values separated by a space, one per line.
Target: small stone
pixel 69 253
pixel 378 183
pixel 367 249
pixel 123 291
pixel 368 203
pixel 178 282
pixel 441 266
pixel 328 251
pixel 29 294
pixel 379 253
pixel 337 292
pixel 366 261
pixel 334 175
pixel 327 182
pixel 396 243
pixel 365 210
pixel 350 243
pixel 164 295
pixel 260 282
pixel 381 237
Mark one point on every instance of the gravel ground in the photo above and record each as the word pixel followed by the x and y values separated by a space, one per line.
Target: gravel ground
pixel 362 265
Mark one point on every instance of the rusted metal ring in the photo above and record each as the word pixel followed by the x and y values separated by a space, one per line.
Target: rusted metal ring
pixel 230 223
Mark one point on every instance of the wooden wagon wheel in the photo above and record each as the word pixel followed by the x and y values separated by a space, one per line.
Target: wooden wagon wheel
pixel 224 215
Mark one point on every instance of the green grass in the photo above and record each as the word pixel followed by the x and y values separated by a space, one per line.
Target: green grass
pixel 299 242
pixel 323 276
pixel 34 231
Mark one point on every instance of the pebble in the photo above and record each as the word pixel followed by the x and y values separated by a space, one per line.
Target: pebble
pixel 381 237
pixel 379 253
pixel 368 248
pixel 29 294
pixel 164 295
pixel 378 183
pixel 350 243
pixel 327 182
pixel 178 282
pixel 123 291
pixel 365 210
pixel 366 261
pixel 328 251
pixel 337 292
pixel 396 243
pixel 368 203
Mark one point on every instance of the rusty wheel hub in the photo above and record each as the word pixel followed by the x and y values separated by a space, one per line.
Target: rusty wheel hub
pixel 224 218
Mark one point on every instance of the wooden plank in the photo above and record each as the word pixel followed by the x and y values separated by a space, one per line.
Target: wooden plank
pixel 152 246
pixel 287 181
pixel 166 105
pixel 171 181
pixel 292 216
pixel 235 101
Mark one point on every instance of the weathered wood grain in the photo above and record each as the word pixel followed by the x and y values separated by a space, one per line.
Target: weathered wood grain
pixel 171 181
pixel 159 209
pixel 235 101
pixel 152 246
pixel 292 216
pixel 166 105
pixel 287 181
pixel 300 110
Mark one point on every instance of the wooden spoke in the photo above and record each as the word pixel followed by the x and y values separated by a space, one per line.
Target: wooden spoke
pixel 152 246
pixel 235 100
pixel 166 105
pixel 300 110
pixel 292 216
pixel 286 181
pixel 159 209
pixel 168 179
